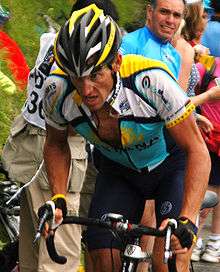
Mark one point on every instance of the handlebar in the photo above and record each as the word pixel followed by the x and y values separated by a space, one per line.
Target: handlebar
pixel 131 230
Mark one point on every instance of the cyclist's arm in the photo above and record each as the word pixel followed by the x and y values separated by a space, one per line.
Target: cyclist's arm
pixel 56 150
pixel 175 108
pixel 57 159
pixel 188 137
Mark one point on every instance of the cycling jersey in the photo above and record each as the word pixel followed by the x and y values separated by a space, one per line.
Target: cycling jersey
pixel 32 110
pixel 144 42
pixel 146 97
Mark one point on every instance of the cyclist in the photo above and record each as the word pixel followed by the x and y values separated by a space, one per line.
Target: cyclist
pixel 163 18
pixel 121 106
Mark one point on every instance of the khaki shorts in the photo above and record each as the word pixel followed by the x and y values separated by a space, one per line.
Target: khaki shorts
pixel 87 190
pixel 22 156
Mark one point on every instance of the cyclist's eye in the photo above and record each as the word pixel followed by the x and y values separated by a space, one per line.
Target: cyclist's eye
pixel 93 76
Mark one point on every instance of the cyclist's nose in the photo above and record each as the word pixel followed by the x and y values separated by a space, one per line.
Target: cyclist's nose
pixel 86 86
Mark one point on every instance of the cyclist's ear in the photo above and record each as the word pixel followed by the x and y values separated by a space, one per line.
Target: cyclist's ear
pixel 116 64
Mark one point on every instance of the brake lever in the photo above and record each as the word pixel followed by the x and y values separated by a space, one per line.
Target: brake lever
pixel 45 213
pixel 172 225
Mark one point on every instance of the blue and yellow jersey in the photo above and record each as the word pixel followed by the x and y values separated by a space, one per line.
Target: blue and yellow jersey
pixel 147 98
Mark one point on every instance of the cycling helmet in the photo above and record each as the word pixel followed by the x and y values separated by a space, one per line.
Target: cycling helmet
pixel 87 41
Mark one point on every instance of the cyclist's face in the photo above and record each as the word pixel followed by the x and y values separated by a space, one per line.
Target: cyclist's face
pixel 95 88
pixel 164 20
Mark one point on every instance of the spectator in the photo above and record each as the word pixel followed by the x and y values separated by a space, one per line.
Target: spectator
pixel 211 36
pixel 212 112
pixel 195 22
pixel 193 36
pixel 22 156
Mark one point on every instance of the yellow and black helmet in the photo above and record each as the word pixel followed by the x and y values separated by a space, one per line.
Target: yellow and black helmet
pixel 87 41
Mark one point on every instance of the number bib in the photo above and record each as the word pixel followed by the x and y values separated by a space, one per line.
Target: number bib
pixel 32 109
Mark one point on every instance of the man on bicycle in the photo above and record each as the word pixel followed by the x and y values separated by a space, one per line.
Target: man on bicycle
pixel 121 105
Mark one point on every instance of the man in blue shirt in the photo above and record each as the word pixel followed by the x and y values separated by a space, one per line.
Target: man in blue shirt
pixel 153 40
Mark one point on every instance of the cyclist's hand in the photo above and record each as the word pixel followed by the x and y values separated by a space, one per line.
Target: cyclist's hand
pixel 186 232
pixel 182 238
pixel 175 244
pixel 58 210
pixel 53 223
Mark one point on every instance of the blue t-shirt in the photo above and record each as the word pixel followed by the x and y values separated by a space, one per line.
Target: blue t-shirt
pixel 211 37
pixel 144 42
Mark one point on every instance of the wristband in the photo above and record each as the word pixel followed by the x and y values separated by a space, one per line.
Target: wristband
pixel 60 203
pixel 58 196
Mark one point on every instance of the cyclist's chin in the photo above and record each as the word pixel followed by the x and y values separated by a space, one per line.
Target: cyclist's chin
pixel 94 106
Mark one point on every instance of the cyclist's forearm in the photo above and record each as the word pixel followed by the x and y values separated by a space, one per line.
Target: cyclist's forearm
pixel 57 162
pixel 196 181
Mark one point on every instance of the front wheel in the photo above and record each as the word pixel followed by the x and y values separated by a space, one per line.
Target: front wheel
pixel 129 265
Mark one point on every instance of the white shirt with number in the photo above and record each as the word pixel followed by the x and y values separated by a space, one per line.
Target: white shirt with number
pixel 32 110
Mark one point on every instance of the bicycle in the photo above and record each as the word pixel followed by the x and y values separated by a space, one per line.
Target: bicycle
pixel 132 253
pixel 9 220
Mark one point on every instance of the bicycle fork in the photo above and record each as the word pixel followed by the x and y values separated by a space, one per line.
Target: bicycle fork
pixel 133 254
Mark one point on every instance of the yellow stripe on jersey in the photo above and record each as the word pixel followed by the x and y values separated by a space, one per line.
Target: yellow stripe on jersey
pixel 189 109
pixel 136 63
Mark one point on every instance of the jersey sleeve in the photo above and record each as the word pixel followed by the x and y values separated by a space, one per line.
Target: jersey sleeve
pixel 165 96
pixel 56 91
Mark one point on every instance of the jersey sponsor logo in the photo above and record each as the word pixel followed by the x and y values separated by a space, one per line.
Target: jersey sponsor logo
pixel 115 92
pixel 160 93
pixel 166 207
pixel 172 116
pixel 124 106
pixel 49 95
pixel 146 82
pixel 130 250
pixel 136 147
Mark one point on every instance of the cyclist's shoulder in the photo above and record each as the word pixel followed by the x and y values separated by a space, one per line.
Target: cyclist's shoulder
pixel 57 83
pixel 135 64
